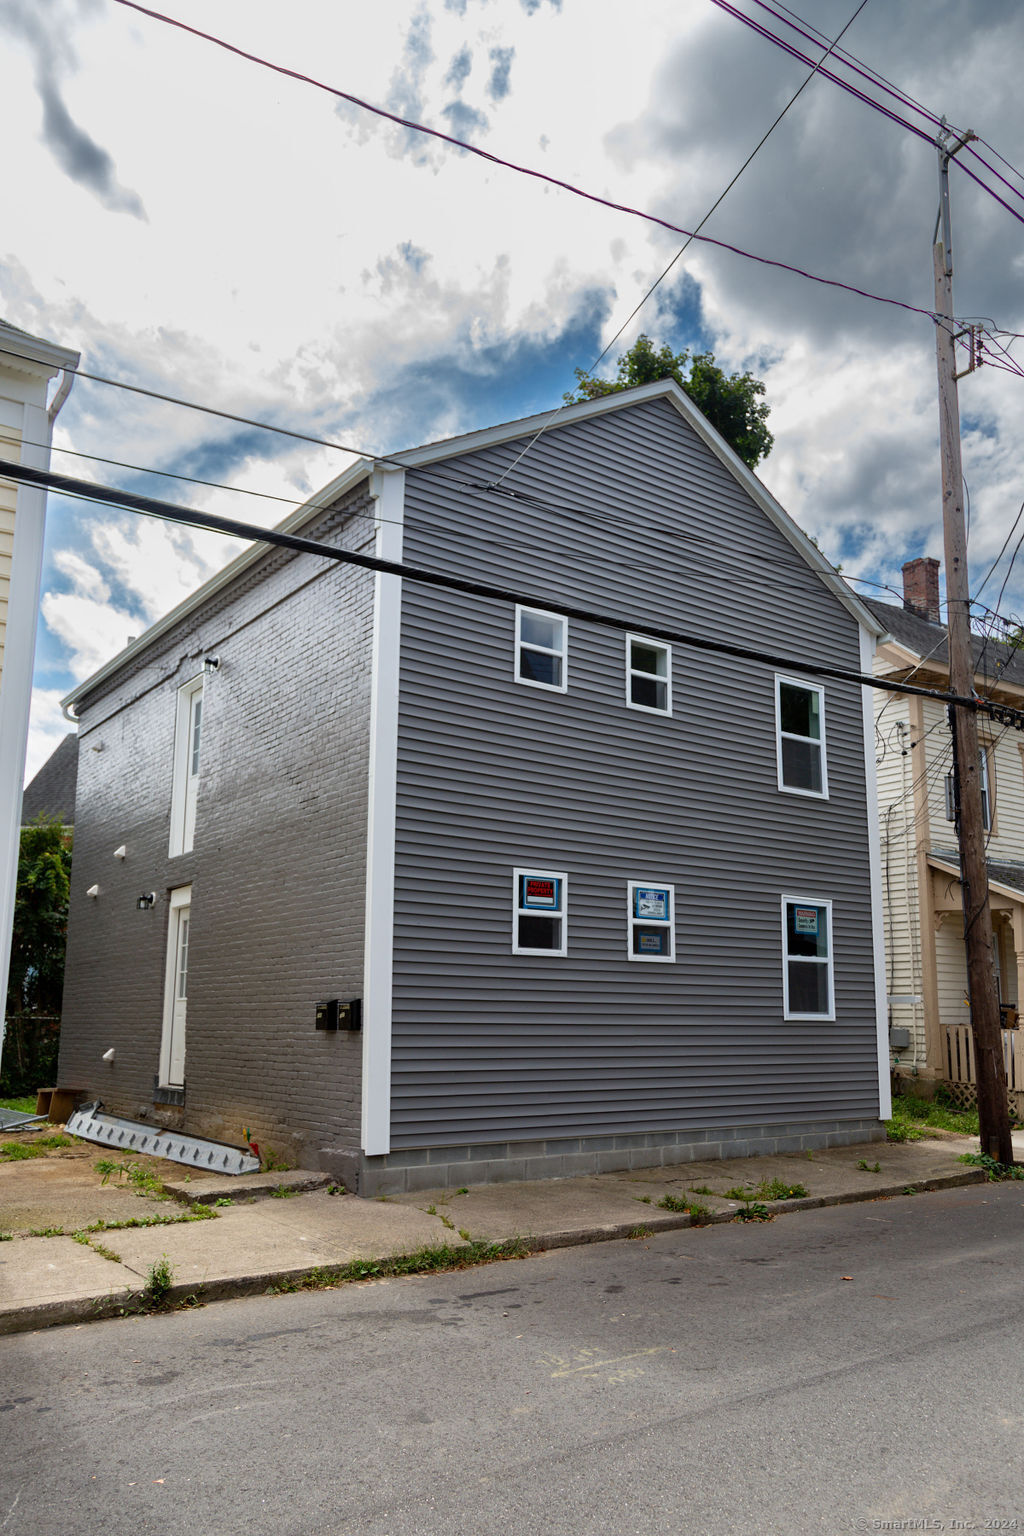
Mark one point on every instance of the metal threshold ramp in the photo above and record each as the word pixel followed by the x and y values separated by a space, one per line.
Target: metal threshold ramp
pixel 92 1124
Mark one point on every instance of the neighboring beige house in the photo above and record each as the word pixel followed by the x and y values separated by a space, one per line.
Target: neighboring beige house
pixel 27 366
pixel 926 971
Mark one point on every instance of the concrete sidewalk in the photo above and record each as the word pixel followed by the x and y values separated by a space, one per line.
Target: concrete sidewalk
pixel 280 1228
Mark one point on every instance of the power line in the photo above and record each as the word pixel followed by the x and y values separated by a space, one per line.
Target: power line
pixel 853 90
pixel 108 495
pixel 690 238
pixel 523 170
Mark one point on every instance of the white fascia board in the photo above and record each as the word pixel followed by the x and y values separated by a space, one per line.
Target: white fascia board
pixel 388 488
pixel 22 353
pixel 867 647
pixel 667 389
pixel 293 523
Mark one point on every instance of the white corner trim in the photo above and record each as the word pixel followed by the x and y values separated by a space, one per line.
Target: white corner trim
pixel 387 486
pixel 867 652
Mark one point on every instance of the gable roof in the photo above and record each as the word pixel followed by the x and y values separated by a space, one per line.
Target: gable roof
pixel 488 437
pixel 994 661
pixel 52 791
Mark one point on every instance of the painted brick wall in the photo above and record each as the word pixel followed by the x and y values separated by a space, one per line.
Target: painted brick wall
pixel 283 764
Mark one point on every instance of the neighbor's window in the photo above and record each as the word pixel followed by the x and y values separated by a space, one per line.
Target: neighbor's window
pixel 807 958
pixel 185 781
pixel 986 799
pixel 800 721
pixel 652 921
pixel 539 912
pixel 648 675
pixel 541 648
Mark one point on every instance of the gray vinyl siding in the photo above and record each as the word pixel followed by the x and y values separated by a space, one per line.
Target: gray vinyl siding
pixel 277 870
pixel 488 1046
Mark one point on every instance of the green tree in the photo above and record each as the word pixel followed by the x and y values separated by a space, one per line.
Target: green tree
pixel 732 403
pixel 36 980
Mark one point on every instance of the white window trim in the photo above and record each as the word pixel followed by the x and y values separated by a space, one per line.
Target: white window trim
pixel 791 789
pixel 543 650
pixel 807 901
pixel 518 911
pixel 651 922
pixel 184 785
pixel 658 645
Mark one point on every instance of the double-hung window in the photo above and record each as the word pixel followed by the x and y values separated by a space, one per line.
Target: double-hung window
pixel 539 912
pixel 800 737
pixel 652 921
pixel 541 645
pixel 185 781
pixel 807 984
pixel 648 675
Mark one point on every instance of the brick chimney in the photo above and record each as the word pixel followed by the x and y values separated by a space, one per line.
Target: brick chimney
pixel 921 588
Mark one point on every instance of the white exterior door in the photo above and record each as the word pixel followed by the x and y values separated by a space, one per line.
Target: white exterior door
pixel 172 1046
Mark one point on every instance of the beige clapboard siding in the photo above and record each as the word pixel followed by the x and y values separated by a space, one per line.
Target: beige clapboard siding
pixel 898 765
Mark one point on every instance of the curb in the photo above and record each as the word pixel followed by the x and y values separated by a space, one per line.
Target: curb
pixel 113 1304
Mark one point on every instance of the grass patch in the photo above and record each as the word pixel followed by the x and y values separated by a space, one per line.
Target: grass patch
pixel 754 1211
pixel 994 1172
pixel 697 1211
pixel 869 1167
pixel 143 1179
pixel 282 1192
pixel 913 1117
pixel 26 1105
pixel 429 1260
pixel 768 1189
pixel 20 1151
pixel 46 1232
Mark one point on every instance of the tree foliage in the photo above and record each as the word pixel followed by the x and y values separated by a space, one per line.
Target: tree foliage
pixel 732 403
pixel 40 919
pixel 36 981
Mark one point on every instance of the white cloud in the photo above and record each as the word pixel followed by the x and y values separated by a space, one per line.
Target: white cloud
pixel 47 730
pixel 298 258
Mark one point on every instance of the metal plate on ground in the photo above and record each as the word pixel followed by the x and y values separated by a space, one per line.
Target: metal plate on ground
pixel 17 1120
pixel 92 1124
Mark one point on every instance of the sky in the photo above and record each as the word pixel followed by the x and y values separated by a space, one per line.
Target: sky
pixel 209 229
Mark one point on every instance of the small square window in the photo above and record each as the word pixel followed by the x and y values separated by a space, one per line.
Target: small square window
pixel 541 659
pixel 807 958
pixel 648 675
pixel 538 912
pixel 652 921
pixel 800 737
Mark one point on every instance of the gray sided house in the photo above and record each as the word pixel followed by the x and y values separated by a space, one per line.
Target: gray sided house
pixel 605 902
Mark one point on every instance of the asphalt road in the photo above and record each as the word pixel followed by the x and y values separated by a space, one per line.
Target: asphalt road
pixel 856 1368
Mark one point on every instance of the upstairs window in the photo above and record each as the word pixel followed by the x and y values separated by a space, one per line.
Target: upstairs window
pixel 541 649
pixel 648 675
pixel 807 958
pixel 651 921
pixel 800 733
pixel 188 728
pixel 539 912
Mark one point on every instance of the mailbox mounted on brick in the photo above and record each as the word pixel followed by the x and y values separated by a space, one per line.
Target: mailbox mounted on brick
pixel 336 1015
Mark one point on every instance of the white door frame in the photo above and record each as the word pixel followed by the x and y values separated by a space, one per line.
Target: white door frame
pixel 172 1043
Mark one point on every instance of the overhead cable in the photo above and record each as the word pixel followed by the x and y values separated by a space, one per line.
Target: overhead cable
pixel 150 506
pixel 523 170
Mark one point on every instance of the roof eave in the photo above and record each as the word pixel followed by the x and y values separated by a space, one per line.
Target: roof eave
pixel 339 486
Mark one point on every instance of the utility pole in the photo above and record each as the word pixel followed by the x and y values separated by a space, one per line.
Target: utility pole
pixel 993 1111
